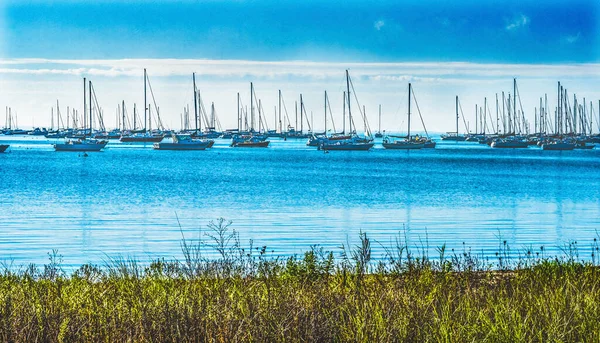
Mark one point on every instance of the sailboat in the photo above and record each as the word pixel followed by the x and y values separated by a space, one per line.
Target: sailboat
pixel 454 136
pixel 252 139
pixel 378 134
pixel 83 144
pixel 354 142
pixel 146 136
pixel 408 143
pixel 186 141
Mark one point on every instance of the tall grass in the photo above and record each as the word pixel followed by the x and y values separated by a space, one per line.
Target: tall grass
pixel 243 293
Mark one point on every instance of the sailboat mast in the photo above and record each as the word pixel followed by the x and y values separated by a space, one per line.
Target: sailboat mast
pixel 476 119
pixel 251 106
pixel 196 102
pixel 123 109
pixel 90 91
pixel 484 115
pixel 380 118
pixel 515 101
pixel 457 115
pixel 409 90
pixel 279 109
pixel 239 119
pixel 497 116
pixel 344 116
pixel 301 115
pixel 325 114
pixel 348 96
pixel 145 102
pixel 84 106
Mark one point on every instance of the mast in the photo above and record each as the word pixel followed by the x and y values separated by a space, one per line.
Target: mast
pixel 380 120
pixel 251 106
pixel 515 99
pixel 409 90
pixel 84 106
pixel 476 119
pixel 344 115
pixel 484 115
pixel 134 116
pixel 301 115
pixel 457 115
pixel 145 102
pixel 348 93
pixel 196 102
pixel 325 114
pixel 123 115
pixel 91 120
pixel 557 120
pixel 239 120
pixel 497 116
pixel 280 127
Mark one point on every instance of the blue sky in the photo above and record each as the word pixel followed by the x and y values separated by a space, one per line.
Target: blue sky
pixel 383 31
pixel 470 48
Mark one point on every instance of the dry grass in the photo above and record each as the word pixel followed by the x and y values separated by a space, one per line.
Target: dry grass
pixel 243 295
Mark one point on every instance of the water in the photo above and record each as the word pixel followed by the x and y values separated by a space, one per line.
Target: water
pixel 126 201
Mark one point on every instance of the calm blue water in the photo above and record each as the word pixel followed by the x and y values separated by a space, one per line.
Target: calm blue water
pixel 125 201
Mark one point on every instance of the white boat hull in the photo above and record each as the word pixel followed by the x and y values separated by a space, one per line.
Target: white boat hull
pixel 347 147
pixel 79 147
pixel 182 146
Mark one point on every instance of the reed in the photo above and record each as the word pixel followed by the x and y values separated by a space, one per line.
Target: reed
pixel 244 293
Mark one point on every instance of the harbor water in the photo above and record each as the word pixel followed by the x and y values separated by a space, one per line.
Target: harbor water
pixel 132 201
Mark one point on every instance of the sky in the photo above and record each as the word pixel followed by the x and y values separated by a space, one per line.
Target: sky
pixel 472 49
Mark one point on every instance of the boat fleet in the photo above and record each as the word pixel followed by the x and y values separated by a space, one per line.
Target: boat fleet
pixel 570 128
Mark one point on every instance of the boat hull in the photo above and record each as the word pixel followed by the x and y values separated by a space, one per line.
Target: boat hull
pixel 181 146
pixel 559 146
pixel 454 138
pixel 79 147
pixel 347 147
pixel 262 144
pixel 3 147
pixel 510 145
pixel 403 146
pixel 127 139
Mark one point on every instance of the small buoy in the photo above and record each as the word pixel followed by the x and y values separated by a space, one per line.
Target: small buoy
pixel 85 154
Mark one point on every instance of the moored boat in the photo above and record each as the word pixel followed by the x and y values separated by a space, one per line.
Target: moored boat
pixel 403 145
pixel 509 143
pixel 249 141
pixel 185 142
pixel 558 145
pixel 146 137
pixel 3 147
pixel 348 145
pixel 83 144
pixel 407 142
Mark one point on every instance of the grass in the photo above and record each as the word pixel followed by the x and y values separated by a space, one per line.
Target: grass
pixel 243 294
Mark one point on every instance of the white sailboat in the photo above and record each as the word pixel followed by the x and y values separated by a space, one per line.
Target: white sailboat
pixel 83 144
pixel 354 142
pixel 408 142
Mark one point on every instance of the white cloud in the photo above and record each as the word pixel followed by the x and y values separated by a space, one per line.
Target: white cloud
pixel 240 69
pixel 520 21
pixel 573 38
pixel 379 24
pixel 32 86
